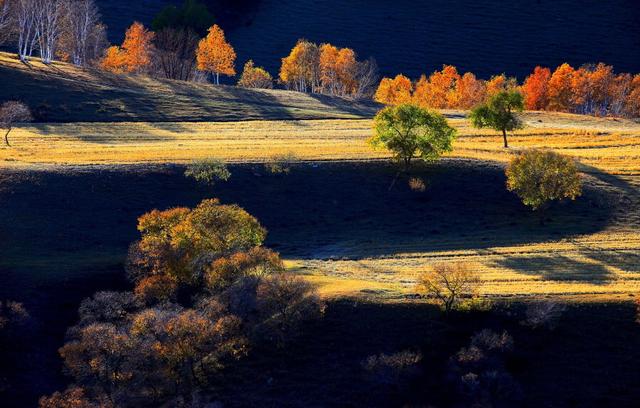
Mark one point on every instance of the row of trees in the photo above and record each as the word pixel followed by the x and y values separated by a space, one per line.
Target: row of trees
pixel 205 292
pixel 327 69
pixel 69 30
pixel 591 89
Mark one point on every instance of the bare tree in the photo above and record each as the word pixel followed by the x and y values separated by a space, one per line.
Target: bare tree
pixel 48 16
pixel 174 56
pixel 26 16
pixel 82 27
pixel 5 20
pixel 449 283
pixel 13 112
pixel 367 78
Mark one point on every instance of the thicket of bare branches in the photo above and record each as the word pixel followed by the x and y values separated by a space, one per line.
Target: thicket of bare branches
pixel 174 55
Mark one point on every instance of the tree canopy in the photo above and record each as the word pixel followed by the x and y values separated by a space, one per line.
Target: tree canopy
pixel 410 131
pixel 499 113
pixel 541 176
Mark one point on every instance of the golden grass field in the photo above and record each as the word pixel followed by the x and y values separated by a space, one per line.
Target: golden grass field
pixel 605 263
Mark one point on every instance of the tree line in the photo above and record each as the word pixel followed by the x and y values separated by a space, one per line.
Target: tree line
pixel 592 89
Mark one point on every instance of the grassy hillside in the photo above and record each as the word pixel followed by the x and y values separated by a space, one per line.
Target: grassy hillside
pixel 64 93
pixel 612 145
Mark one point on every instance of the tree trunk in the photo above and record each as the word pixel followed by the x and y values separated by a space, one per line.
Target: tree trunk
pixel 6 137
pixel 217 78
pixel 504 136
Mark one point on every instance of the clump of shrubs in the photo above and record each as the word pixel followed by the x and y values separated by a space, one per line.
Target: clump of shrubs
pixel 281 163
pixel 208 171
pixel 417 184
pixel 392 368
pixel 478 372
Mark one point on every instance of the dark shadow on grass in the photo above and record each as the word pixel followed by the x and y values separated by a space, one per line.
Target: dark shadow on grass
pixel 557 268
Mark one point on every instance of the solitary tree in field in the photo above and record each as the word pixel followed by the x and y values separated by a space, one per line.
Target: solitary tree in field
pixel 499 113
pixel 215 54
pixel 449 283
pixel 411 131
pixel 13 112
pixel 541 176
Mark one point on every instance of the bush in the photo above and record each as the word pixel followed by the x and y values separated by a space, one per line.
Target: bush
pixel 208 171
pixel 417 184
pixel 281 163
pixel 541 176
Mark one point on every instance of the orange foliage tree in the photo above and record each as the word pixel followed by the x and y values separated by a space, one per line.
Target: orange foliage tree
pixel 561 88
pixel 300 69
pixel 394 91
pixel 215 54
pixel 135 53
pixel 439 90
pixel 632 101
pixel 535 89
pixel 338 70
pixel 501 83
pixel 470 91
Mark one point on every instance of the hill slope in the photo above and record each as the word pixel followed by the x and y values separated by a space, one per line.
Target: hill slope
pixel 64 93
pixel 414 37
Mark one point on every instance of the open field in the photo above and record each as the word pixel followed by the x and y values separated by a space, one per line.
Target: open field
pixel 611 145
pixel 64 93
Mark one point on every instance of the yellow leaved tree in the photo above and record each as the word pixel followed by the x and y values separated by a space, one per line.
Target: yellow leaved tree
pixel 215 54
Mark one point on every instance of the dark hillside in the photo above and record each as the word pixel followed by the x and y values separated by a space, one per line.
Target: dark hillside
pixel 486 37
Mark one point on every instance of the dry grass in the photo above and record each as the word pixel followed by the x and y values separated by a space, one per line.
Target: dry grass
pixel 611 145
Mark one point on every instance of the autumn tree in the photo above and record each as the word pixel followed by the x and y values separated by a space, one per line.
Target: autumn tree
pixel 632 101
pixel 300 70
pixel 215 54
pixel 394 91
pixel 535 89
pixel 560 89
pixel 179 241
pixel 13 112
pixel 500 83
pixel 255 77
pixel 410 131
pixel 135 53
pixel 470 91
pixel 439 90
pixel 499 113
pixel 541 176
pixel 449 284
pixel 338 70
pixel 592 87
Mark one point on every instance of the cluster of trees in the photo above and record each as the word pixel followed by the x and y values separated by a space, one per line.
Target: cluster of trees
pixel 593 89
pixel 327 69
pixel 442 89
pixel 205 292
pixel 69 30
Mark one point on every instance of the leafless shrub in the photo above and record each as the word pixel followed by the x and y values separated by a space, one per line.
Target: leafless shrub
pixel 391 368
pixel 543 314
